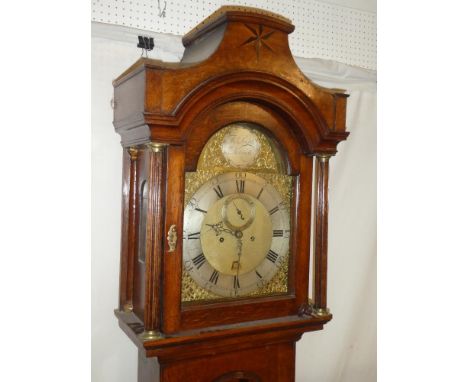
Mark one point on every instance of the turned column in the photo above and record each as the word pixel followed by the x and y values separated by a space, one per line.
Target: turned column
pixel 320 234
pixel 130 208
pixel 154 238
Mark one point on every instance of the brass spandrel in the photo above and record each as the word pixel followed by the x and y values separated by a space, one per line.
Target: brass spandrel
pixel 277 285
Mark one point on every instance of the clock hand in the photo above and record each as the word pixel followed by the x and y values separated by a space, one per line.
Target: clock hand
pixel 239 212
pixel 218 228
pixel 239 254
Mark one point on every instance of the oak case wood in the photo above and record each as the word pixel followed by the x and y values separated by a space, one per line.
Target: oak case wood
pixel 237 68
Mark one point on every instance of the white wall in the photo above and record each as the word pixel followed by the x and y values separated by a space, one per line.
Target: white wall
pixel 345 349
pixel 113 357
pixel 365 5
pixel 323 30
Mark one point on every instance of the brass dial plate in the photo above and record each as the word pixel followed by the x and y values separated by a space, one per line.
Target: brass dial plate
pixel 213 166
pixel 236 234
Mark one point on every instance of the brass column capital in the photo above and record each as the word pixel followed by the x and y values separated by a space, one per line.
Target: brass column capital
pixel 133 152
pixel 322 157
pixel 157 147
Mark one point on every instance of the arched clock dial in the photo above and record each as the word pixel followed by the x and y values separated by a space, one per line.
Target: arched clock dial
pixel 236 234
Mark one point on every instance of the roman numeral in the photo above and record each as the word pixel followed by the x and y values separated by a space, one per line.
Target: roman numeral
pixel 218 191
pixel 277 233
pixel 260 192
pixel 236 282
pixel 272 256
pixel 199 260
pixel 273 210
pixel 195 235
pixel 240 185
pixel 214 277
pixel 200 210
pixel 258 275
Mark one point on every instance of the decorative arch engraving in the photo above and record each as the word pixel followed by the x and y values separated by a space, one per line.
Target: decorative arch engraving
pixel 270 159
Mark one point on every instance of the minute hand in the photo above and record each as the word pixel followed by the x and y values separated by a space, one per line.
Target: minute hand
pixel 239 254
pixel 239 212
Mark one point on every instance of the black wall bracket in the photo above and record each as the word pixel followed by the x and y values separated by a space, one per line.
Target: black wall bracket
pixel 146 44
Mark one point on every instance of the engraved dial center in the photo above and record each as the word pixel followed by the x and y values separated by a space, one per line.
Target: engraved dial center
pixel 237 218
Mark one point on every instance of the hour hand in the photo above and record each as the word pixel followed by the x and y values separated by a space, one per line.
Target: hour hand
pixel 218 228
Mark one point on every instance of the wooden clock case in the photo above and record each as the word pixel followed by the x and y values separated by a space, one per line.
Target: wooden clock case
pixel 237 67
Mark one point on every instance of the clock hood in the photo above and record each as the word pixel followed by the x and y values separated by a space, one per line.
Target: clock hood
pixel 236 54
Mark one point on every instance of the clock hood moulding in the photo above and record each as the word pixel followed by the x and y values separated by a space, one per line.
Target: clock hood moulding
pixel 237 54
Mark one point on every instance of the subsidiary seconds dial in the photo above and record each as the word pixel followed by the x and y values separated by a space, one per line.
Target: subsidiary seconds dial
pixel 236 234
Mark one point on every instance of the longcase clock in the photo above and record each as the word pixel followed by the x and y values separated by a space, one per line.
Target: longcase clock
pixel 225 166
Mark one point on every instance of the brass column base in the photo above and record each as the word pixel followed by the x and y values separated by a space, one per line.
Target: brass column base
pixel 151 335
pixel 321 311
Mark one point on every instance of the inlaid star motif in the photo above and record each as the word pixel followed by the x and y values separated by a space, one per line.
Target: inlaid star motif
pixel 258 38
